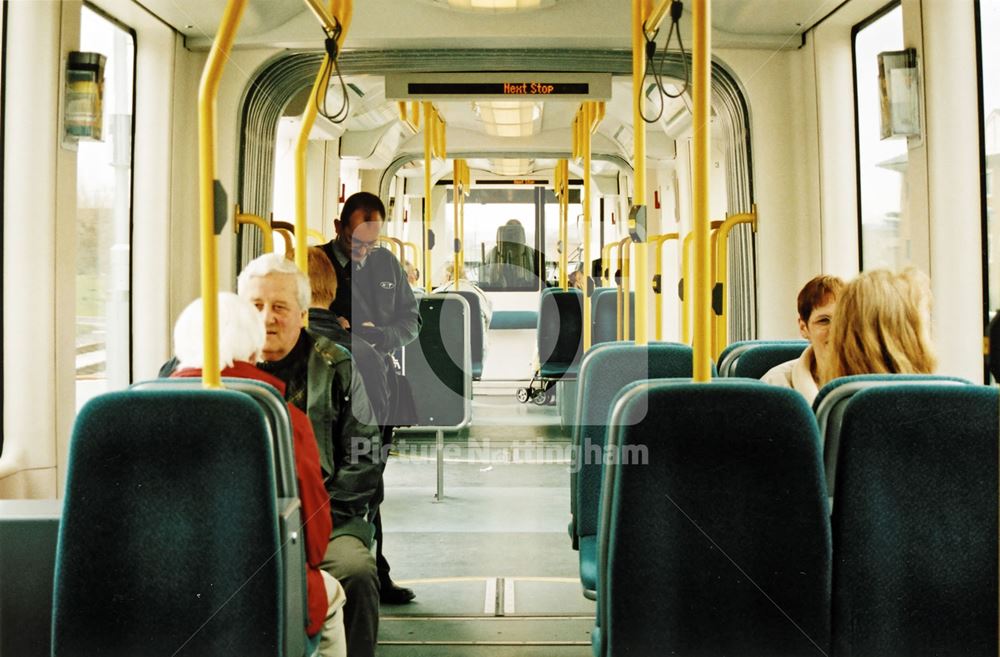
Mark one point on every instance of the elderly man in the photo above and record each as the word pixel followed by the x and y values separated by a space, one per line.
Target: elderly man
pixel 320 380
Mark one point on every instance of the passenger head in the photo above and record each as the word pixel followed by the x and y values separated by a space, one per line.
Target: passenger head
pixel 575 279
pixel 360 224
pixel 878 329
pixel 449 272
pixel 241 333
pixel 322 278
pixel 817 303
pixel 412 273
pixel 280 292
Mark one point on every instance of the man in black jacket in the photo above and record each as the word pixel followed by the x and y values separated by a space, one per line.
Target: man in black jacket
pixel 375 299
pixel 320 380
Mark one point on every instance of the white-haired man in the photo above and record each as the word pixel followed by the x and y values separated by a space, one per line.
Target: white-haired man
pixel 320 380
pixel 241 340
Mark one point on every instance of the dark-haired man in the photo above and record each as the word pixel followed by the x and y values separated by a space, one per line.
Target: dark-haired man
pixel 374 296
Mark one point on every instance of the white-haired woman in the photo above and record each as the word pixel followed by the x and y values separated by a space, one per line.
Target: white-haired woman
pixel 241 342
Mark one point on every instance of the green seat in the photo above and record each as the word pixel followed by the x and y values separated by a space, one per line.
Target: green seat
pixel 169 541
pixel 915 522
pixel 714 537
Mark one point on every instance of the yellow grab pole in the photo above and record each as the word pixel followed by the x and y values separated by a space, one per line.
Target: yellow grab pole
pixel 458 236
pixel 316 235
pixel 721 332
pixel 620 285
pixel 289 237
pixel 243 219
pixel 428 149
pixel 627 303
pixel 701 88
pixel 606 262
pixel 585 118
pixel 416 252
pixel 686 272
pixel 561 191
pixel 641 9
pixel 208 89
pixel 342 11
pixel 657 241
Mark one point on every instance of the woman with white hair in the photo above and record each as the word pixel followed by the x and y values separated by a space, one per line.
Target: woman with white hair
pixel 241 341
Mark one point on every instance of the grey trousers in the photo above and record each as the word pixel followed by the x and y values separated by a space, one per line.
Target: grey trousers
pixel 353 565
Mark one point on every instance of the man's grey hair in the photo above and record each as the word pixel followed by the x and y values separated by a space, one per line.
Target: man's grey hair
pixel 273 263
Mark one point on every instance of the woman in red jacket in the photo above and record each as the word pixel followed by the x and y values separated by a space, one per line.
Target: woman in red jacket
pixel 241 338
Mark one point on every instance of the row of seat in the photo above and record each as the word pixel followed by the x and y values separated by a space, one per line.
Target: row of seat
pixel 727 526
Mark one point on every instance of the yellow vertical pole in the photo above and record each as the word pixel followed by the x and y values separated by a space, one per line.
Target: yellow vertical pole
pixel 687 272
pixel 585 116
pixel 701 88
pixel 208 89
pixel 627 303
pixel 658 327
pixel 641 9
pixel 429 129
pixel 562 191
pixel 456 185
pixel 722 274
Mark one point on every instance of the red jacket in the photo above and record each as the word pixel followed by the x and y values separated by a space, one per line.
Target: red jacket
pixel 317 523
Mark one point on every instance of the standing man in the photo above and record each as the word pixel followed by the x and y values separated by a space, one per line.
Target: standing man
pixel 374 296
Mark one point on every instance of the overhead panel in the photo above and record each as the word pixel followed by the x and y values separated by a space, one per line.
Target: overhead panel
pixel 486 86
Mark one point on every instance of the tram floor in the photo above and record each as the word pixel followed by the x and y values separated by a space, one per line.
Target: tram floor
pixel 491 562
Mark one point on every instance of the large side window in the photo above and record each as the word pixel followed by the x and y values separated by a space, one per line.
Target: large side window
pixel 104 218
pixel 884 227
pixel 989 70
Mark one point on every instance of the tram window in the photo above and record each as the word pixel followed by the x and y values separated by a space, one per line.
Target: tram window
pixel 104 218
pixel 501 248
pixel 882 163
pixel 574 233
pixel 989 57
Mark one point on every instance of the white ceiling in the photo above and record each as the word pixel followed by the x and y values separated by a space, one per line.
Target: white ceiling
pixel 390 24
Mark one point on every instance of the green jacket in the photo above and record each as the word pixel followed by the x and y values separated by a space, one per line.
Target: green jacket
pixel 347 435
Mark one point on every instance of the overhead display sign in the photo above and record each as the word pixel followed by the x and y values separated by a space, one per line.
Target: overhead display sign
pixel 495 86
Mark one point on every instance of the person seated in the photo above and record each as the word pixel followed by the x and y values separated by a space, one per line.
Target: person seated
pixel 241 342
pixel 320 380
pixel 882 326
pixel 576 279
pixel 413 278
pixel 817 303
pixel 465 285
pixel 511 263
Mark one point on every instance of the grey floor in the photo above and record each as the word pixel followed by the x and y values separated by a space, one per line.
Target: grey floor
pixel 491 563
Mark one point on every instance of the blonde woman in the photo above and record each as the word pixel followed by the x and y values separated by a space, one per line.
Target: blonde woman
pixel 881 327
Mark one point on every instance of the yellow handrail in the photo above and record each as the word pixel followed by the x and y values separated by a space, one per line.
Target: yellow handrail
pixel 434 137
pixel 584 125
pixel 416 252
pixel 340 13
pixel 687 303
pixel 316 235
pixel 243 219
pixel 640 11
pixel 621 286
pixel 701 91
pixel 460 180
pixel 208 90
pixel 657 241
pixel 289 237
pixel 606 263
pixel 561 189
pixel 721 333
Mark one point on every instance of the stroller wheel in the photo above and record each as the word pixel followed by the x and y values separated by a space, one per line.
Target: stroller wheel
pixel 522 395
pixel 539 397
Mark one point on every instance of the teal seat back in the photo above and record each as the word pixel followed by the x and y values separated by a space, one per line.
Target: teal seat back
pixel 715 537
pixel 438 364
pixel 754 359
pixel 560 332
pixel 605 371
pixel 915 522
pixel 169 531
pixel 833 399
pixel 605 315
pixel 477 338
